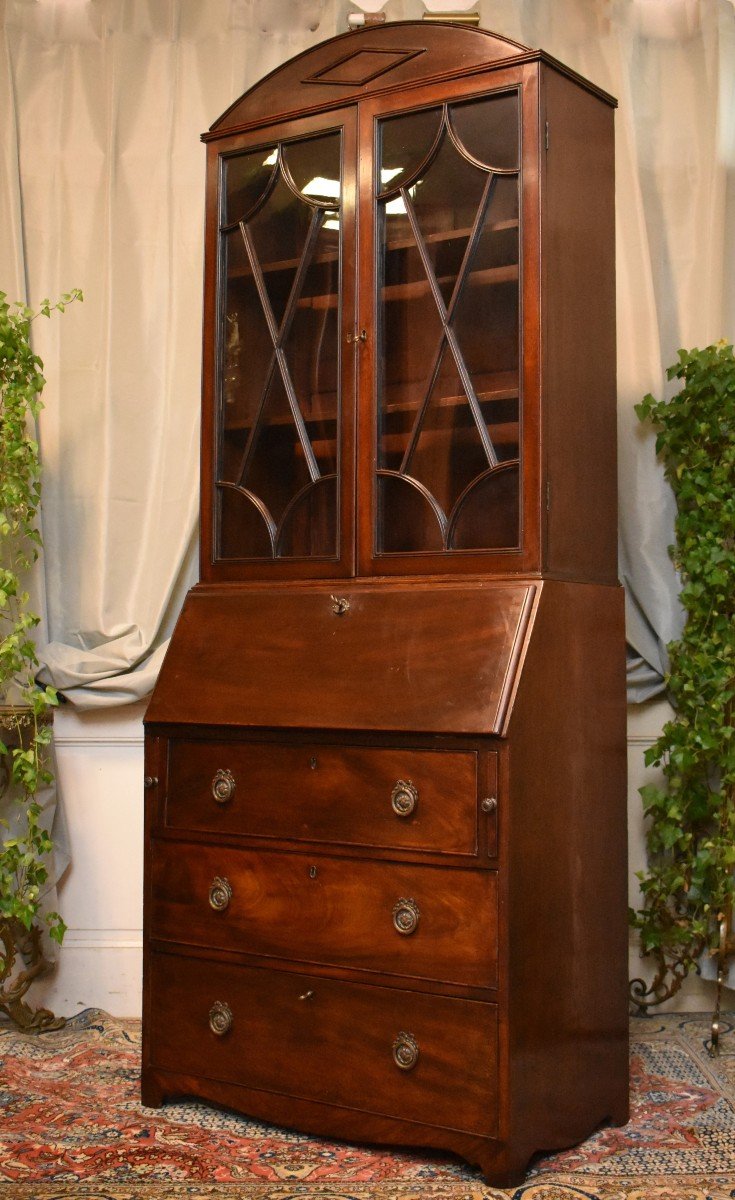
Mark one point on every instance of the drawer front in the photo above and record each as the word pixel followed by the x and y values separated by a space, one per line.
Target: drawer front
pixel 360 795
pixel 396 918
pixel 327 1040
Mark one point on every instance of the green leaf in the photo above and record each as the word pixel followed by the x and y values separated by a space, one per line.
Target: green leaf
pixel 690 818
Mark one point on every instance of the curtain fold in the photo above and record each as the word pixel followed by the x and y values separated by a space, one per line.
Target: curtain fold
pixel 102 103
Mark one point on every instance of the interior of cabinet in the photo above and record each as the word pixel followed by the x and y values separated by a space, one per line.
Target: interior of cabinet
pixel 279 436
pixel 447 215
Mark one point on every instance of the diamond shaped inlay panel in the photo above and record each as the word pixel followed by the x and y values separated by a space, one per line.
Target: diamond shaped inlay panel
pixel 362 66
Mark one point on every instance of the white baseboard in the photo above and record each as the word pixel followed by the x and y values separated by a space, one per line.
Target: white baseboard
pixel 100 766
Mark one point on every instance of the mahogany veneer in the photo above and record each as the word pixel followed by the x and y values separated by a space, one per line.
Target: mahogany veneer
pixel 385 889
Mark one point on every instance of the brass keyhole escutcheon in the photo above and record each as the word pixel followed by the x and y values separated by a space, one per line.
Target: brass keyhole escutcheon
pixel 405 1051
pixel 220 893
pixel 340 605
pixel 313 872
pixel 404 798
pixel 356 337
pixel 220 1018
pixel 223 786
pixel 406 916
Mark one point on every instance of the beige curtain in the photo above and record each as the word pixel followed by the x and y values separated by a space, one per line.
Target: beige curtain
pixel 101 107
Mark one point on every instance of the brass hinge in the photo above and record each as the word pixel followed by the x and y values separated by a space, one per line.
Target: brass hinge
pixel 548 495
pixel 546 135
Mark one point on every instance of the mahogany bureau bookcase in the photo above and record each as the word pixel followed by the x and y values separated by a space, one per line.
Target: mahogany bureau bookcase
pixel 385 884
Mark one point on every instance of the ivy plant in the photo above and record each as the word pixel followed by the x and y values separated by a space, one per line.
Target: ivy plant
pixel 25 763
pixel 688 887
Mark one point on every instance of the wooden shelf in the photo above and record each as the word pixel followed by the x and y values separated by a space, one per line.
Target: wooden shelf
pixel 395 443
pixel 449 235
pixel 331 256
pixel 489 388
pixel 495 388
pixel 500 435
pixel 421 287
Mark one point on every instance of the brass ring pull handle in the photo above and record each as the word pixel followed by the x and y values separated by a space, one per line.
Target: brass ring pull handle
pixel 220 1018
pixel 404 797
pixel 406 916
pixel 223 786
pixel 220 893
pixel 405 1051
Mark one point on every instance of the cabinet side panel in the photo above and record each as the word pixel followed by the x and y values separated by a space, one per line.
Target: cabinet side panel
pixel 567 871
pixel 578 256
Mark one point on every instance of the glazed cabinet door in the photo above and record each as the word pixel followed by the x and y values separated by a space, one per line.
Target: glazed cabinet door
pixel 449 446
pixel 279 391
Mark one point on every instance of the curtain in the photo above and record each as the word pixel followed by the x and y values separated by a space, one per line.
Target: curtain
pixel 101 107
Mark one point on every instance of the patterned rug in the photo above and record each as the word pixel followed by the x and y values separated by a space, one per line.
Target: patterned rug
pixel 72 1126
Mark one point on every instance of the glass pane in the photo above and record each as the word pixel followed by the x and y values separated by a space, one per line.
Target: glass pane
pixel 410 522
pixel 488 130
pixel 446 201
pixel 448 311
pixel 279 231
pixel 314 167
pixel 243 527
pixel 405 143
pixel 312 346
pixel 279 361
pixel 247 352
pixel 276 468
pixel 308 526
pixel 246 179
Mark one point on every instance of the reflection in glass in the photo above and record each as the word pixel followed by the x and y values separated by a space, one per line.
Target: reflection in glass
pixel 278 453
pixel 406 142
pixel 314 166
pixel 487 129
pixel 246 180
pixel 448 312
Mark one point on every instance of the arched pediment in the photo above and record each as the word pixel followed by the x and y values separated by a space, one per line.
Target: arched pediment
pixel 361 63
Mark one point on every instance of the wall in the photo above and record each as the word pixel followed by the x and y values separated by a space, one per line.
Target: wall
pixel 100 773
pixel 100 770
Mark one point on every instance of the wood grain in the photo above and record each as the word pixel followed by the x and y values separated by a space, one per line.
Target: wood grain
pixel 326 793
pixel 318 908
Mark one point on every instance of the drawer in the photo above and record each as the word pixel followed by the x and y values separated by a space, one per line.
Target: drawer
pixel 335 911
pixel 359 795
pixel 328 1040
